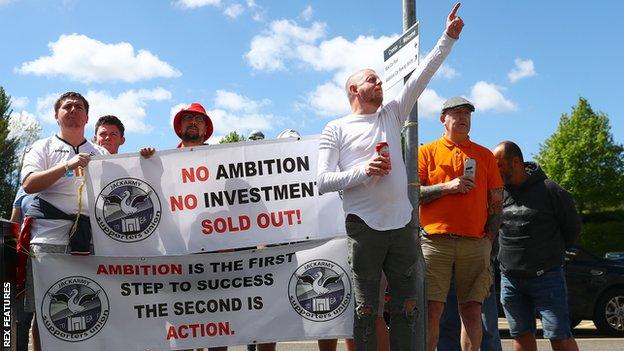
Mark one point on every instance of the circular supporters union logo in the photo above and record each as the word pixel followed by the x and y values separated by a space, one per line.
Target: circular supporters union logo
pixel 74 309
pixel 128 210
pixel 319 290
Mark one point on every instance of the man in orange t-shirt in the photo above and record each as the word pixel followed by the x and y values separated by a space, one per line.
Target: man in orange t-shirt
pixel 460 213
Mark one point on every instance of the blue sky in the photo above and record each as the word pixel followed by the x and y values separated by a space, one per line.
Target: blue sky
pixel 272 65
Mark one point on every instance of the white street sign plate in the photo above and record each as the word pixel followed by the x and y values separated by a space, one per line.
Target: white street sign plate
pixel 401 58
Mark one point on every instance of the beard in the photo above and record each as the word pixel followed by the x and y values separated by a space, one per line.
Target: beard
pixel 192 134
pixel 373 97
pixel 377 100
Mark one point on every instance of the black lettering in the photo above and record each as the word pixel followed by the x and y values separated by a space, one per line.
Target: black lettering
pixel 236 170
pixel 221 172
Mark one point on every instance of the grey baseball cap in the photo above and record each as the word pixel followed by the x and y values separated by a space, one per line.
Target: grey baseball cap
pixel 457 102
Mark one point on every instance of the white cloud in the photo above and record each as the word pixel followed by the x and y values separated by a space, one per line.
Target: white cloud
pixel 235 102
pixel 286 42
pixel 226 121
pixel 307 13
pixel 328 100
pixel 487 96
pixel 234 10
pixel 447 72
pixel 129 106
pixel 523 69
pixel 6 2
pixel 191 4
pixel 230 8
pixel 19 102
pixel 430 104
pixel 45 108
pixel 258 12
pixel 269 50
pixel 345 56
pixel 83 59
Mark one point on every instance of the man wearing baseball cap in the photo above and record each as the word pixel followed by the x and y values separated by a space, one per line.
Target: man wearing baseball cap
pixel 460 214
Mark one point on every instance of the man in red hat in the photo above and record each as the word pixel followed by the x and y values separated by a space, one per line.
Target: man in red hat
pixel 192 124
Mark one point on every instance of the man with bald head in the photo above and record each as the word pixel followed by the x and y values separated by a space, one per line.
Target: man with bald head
pixel 539 221
pixel 375 193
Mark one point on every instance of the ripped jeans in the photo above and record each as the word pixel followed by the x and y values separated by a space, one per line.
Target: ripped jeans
pixel 395 252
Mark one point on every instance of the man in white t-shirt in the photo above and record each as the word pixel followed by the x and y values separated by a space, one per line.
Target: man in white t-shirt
pixel 54 170
pixel 375 193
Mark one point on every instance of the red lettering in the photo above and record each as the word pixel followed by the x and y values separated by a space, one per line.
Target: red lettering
pixel 289 214
pixel 226 225
pixel 263 220
pixel 171 334
pixel 176 203
pixel 202 173
pixel 182 331
pixel 278 219
pixel 189 201
pixel 207 225
pixel 211 329
pixel 189 174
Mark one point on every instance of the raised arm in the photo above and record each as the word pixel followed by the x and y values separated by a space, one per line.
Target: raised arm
pixel 419 79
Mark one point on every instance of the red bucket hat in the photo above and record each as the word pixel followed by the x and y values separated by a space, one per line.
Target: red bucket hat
pixel 194 108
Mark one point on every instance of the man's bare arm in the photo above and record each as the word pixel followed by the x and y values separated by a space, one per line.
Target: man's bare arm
pixel 38 181
pixel 429 193
pixel 495 212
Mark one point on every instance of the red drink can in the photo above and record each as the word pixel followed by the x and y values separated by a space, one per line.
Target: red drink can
pixel 382 149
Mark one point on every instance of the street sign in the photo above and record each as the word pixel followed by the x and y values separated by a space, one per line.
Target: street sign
pixel 401 58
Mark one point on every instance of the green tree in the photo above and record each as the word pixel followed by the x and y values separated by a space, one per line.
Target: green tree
pixel 583 158
pixel 8 158
pixel 232 137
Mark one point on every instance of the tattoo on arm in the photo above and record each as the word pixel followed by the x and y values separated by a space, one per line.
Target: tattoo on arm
pixel 495 211
pixel 429 193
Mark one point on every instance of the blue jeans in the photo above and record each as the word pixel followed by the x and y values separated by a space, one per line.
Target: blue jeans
pixel 546 295
pixel 396 253
pixel 450 323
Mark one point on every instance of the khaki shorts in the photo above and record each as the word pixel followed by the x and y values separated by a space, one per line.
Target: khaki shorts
pixel 470 260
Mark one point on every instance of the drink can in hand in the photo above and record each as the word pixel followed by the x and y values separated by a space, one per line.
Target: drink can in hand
pixel 382 149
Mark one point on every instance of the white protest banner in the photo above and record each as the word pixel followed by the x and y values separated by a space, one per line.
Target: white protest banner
pixel 292 292
pixel 210 198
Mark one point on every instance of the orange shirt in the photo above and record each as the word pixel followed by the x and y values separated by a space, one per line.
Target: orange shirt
pixel 461 214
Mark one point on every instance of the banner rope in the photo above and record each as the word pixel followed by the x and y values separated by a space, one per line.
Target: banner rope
pixel 74 227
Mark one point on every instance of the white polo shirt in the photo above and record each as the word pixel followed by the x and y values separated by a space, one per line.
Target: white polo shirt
pixel 63 194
